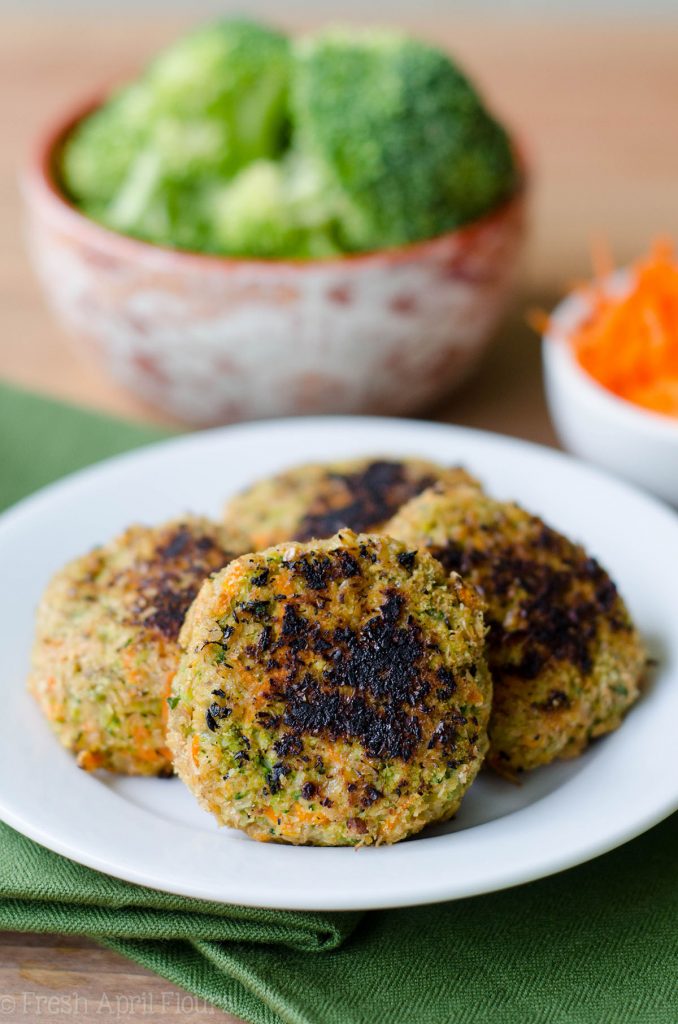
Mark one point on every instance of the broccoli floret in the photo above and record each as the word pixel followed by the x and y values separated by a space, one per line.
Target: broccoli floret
pixel 234 72
pixel 401 131
pixel 100 151
pixel 274 209
pixel 146 162
pixel 153 206
pixel 233 141
pixel 162 198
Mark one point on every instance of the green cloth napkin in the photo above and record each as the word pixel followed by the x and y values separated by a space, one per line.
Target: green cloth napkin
pixel 595 945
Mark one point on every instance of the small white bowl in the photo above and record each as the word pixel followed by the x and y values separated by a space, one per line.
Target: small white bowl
pixel 595 424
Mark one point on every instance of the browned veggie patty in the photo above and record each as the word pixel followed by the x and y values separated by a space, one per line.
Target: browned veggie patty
pixel 565 657
pixel 331 693
pixel 106 642
pixel 318 499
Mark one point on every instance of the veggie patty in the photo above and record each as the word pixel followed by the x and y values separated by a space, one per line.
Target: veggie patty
pixel 565 657
pixel 106 642
pixel 333 693
pixel 316 500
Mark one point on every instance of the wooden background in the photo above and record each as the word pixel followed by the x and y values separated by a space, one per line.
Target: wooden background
pixel 594 103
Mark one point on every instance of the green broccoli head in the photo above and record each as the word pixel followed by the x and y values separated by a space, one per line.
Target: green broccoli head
pixel 234 73
pixel 98 154
pixel 235 142
pixel 401 131
pixel 145 161
pixel 274 209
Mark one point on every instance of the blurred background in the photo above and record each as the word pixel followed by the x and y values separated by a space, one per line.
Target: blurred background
pixel 589 90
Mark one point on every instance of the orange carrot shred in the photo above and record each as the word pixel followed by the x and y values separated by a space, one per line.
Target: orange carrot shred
pixel 629 342
pixel 601 257
pixel 538 320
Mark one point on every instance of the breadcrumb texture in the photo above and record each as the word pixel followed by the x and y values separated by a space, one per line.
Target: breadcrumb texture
pixel 331 693
pixel 316 500
pixel 106 643
pixel 566 659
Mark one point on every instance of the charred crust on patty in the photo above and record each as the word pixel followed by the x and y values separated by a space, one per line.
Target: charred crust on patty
pixel 372 495
pixel 407 559
pixel 371 676
pixel 565 656
pixel 357 657
pixel 167 582
pixel 557 700
pixel 559 609
pixel 107 641
pixel 318 571
pixel 370 796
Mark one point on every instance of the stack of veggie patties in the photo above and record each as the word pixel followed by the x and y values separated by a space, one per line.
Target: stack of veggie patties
pixel 239 141
pixel 334 662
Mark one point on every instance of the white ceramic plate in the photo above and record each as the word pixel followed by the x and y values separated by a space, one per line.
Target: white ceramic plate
pixel 151 831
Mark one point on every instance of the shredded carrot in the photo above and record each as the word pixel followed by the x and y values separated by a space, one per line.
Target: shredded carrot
pixel 601 257
pixel 629 343
pixel 313 817
pixel 144 749
pixel 538 319
pixel 90 760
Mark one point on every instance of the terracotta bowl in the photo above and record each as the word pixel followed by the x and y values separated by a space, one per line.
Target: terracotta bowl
pixel 211 339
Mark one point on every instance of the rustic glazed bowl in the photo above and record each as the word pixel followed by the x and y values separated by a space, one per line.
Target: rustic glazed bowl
pixel 212 340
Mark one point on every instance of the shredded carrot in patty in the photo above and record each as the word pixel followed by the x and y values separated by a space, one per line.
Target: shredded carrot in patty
pixel 629 343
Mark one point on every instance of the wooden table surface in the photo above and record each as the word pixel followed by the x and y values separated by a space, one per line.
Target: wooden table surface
pixel 594 103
